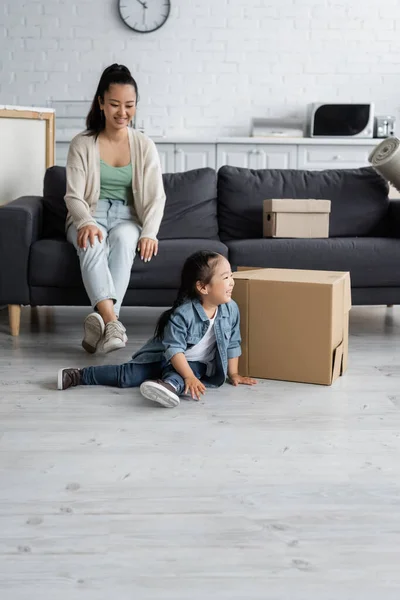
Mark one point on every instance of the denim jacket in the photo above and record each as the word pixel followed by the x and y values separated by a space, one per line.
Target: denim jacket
pixel 187 325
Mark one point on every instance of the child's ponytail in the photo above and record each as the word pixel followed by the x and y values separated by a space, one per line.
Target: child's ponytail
pixel 165 317
pixel 198 267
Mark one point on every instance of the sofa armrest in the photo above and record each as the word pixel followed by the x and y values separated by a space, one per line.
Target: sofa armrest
pixel 393 219
pixel 20 225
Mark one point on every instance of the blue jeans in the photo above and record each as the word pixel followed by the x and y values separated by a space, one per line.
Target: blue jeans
pixel 132 374
pixel 106 268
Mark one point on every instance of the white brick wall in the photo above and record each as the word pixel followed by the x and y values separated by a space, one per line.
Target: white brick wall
pixel 214 65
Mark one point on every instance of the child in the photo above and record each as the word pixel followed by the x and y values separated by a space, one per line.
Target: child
pixel 196 343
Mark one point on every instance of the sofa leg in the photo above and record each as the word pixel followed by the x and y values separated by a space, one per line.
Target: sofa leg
pixel 389 305
pixel 14 317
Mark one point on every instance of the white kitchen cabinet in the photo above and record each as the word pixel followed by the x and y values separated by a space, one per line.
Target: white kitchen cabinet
pixel 315 157
pixel 194 156
pixel 257 156
pixel 176 158
pixel 167 157
pixel 179 155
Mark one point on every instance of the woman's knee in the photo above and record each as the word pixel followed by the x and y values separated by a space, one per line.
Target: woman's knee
pixel 124 236
pixel 92 252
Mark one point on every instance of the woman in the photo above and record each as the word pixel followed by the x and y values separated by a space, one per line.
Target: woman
pixel 115 200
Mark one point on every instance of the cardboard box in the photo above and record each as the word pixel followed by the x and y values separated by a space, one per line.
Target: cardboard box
pixel 294 324
pixel 296 218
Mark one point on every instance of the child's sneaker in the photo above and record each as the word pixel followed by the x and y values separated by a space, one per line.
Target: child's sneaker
pixel 161 392
pixel 68 378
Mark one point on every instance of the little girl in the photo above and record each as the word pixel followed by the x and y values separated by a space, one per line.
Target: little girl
pixel 196 343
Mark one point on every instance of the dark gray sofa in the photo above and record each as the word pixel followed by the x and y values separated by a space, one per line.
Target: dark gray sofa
pixel 206 210
pixel 364 226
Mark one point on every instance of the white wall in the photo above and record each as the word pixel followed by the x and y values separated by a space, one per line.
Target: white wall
pixel 214 65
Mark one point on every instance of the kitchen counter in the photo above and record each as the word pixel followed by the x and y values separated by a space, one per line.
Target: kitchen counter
pixel 66 135
pixel 268 140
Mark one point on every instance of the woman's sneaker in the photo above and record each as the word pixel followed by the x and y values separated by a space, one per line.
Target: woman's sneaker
pixel 161 392
pixel 68 378
pixel 93 327
pixel 114 336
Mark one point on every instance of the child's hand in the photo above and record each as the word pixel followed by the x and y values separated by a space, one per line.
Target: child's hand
pixel 194 387
pixel 239 380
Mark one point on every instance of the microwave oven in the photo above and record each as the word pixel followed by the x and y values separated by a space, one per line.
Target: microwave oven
pixel 340 120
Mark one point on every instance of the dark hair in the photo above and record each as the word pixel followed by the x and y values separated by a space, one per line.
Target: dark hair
pixel 200 266
pixel 95 121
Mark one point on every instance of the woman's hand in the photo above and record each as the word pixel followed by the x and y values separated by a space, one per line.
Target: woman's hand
pixel 194 387
pixel 89 232
pixel 147 248
pixel 237 379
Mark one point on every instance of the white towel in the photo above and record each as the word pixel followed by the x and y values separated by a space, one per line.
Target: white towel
pixel 385 159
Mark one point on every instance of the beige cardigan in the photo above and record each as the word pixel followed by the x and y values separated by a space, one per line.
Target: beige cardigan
pixel 83 182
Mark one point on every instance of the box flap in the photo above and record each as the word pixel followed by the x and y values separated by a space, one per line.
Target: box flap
pixel 296 276
pixel 347 293
pixel 288 205
pixel 345 358
pixel 337 362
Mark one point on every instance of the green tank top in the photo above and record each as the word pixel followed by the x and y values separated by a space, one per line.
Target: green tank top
pixel 116 183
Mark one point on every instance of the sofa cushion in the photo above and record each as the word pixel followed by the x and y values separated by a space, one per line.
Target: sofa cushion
pixel 372 262
pixel 190 210
pixel 55 210
pixel 54 263
pixel 191 206
pixel 359 198
pixel 165 270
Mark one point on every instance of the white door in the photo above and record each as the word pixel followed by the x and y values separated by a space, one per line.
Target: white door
pixel 194 156
pixel 257 156
pixel 167 157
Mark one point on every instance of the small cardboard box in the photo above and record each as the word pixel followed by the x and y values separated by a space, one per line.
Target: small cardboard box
pixel 296 218
pixel 294 324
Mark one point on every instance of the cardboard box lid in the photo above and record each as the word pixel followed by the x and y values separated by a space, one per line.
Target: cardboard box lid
pixel 287 205
pixel 300 276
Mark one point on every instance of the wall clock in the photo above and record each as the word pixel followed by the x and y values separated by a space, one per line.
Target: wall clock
pixel 144 16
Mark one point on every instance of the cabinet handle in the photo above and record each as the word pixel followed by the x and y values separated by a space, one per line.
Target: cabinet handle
pixel 253 151
pixel 178 151
pixel 337 157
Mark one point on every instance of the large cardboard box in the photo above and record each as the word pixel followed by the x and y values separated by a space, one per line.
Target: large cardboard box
pixel 296 218
pixel 294 324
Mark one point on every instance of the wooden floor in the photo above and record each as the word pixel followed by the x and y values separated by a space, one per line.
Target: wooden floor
pixel 282 491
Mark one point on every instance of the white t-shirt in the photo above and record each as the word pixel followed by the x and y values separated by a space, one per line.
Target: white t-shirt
pixel 204 351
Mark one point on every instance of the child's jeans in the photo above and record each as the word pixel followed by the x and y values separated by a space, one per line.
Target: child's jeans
pixel 132 374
